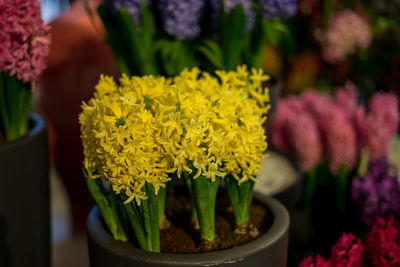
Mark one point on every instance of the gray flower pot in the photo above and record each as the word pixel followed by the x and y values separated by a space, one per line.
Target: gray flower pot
pixel 269 249
pixel 24 199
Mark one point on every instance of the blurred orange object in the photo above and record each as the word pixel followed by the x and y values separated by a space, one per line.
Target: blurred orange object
pixel 302 72
pixel 272 61
pixel 78 55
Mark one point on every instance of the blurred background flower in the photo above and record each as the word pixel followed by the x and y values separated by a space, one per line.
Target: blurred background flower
pixel 379 124
pixel 346 32
pixel 382 247
pixel 378 193
pixel 24 39
pixel 230 5
pixel 294 131
pixel 133 7
pixel 302 72
pixel 278 8
pixel 348 251
pixel 181 18
pixel 339 138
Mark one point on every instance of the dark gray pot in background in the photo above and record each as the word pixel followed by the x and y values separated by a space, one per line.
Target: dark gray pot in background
pixel 269 250
pixel 24 199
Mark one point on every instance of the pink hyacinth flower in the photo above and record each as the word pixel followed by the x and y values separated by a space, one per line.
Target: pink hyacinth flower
pixel 340 139
pixel 382 248
pixel 346 98
pixel 294 131
pixel 347 252
pixel 377 126
pixel 318 261
pixel 337 133
pixel 23 39
pixel 346 32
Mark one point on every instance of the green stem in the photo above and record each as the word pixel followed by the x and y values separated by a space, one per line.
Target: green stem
pixel 4 112
pixel 135 217
pixel 144 219
pixel 254 44
pixel 232 29
pixel 324 174
pixel 117 46
pixel 204 194
pixel 162 197
pixel 310 184
pixel 15 98
pixel 151 221
pixel 11 89
pixel 240 196
pixel 25 96
pixel 341 187
pixel 105 206
pixel 193 210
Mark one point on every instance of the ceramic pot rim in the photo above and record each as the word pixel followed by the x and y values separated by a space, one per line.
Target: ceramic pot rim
pixel 38 126
pixel 277 231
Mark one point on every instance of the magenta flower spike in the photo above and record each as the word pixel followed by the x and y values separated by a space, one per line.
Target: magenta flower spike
pixel 23 39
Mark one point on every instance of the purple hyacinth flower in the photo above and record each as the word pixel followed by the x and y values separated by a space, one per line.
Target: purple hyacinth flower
pixel 133 7
pixel 278 8
pixel 378 193
pixel 181 18
pixel 230 5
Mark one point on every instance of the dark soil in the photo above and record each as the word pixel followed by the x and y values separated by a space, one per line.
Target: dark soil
pixel 182 236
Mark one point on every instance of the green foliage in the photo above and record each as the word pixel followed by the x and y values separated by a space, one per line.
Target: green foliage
pixel 142 218
pixel 231 32
pixel 143 50
pixel 174 56
pixel 133 47
pixel 203 194
pixel 107 206
pixel 240 196
pixel 15 103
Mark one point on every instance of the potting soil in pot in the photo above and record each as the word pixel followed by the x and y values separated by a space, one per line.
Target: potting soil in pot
pixel 180 235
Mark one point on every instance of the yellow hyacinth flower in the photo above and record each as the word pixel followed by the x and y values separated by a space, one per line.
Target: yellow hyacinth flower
pixel 119 135
pixel 141 130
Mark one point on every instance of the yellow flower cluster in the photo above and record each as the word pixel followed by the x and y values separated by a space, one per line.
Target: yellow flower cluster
pixel 144 128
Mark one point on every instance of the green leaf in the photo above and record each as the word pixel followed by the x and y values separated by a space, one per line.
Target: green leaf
pixel 232 30
pixel 240 197
pixel 150 215
pixel 309 187
pixel 147 30
pixel 204 194
pixel 254 44
pixel 212 52
pixel 100 196
pixel 289 44
pixel 162 199
pixel 135 218
pixel 342 183
pixel 175 55
pixel 135 49
pixel 272 32
pixel 4 112
pixel 113 39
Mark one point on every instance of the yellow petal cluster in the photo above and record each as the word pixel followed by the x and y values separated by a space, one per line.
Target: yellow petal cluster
pixel 140 130
pixel 118 131
pixel 244 109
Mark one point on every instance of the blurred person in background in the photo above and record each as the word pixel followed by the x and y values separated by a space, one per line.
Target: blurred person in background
pixel 78 55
